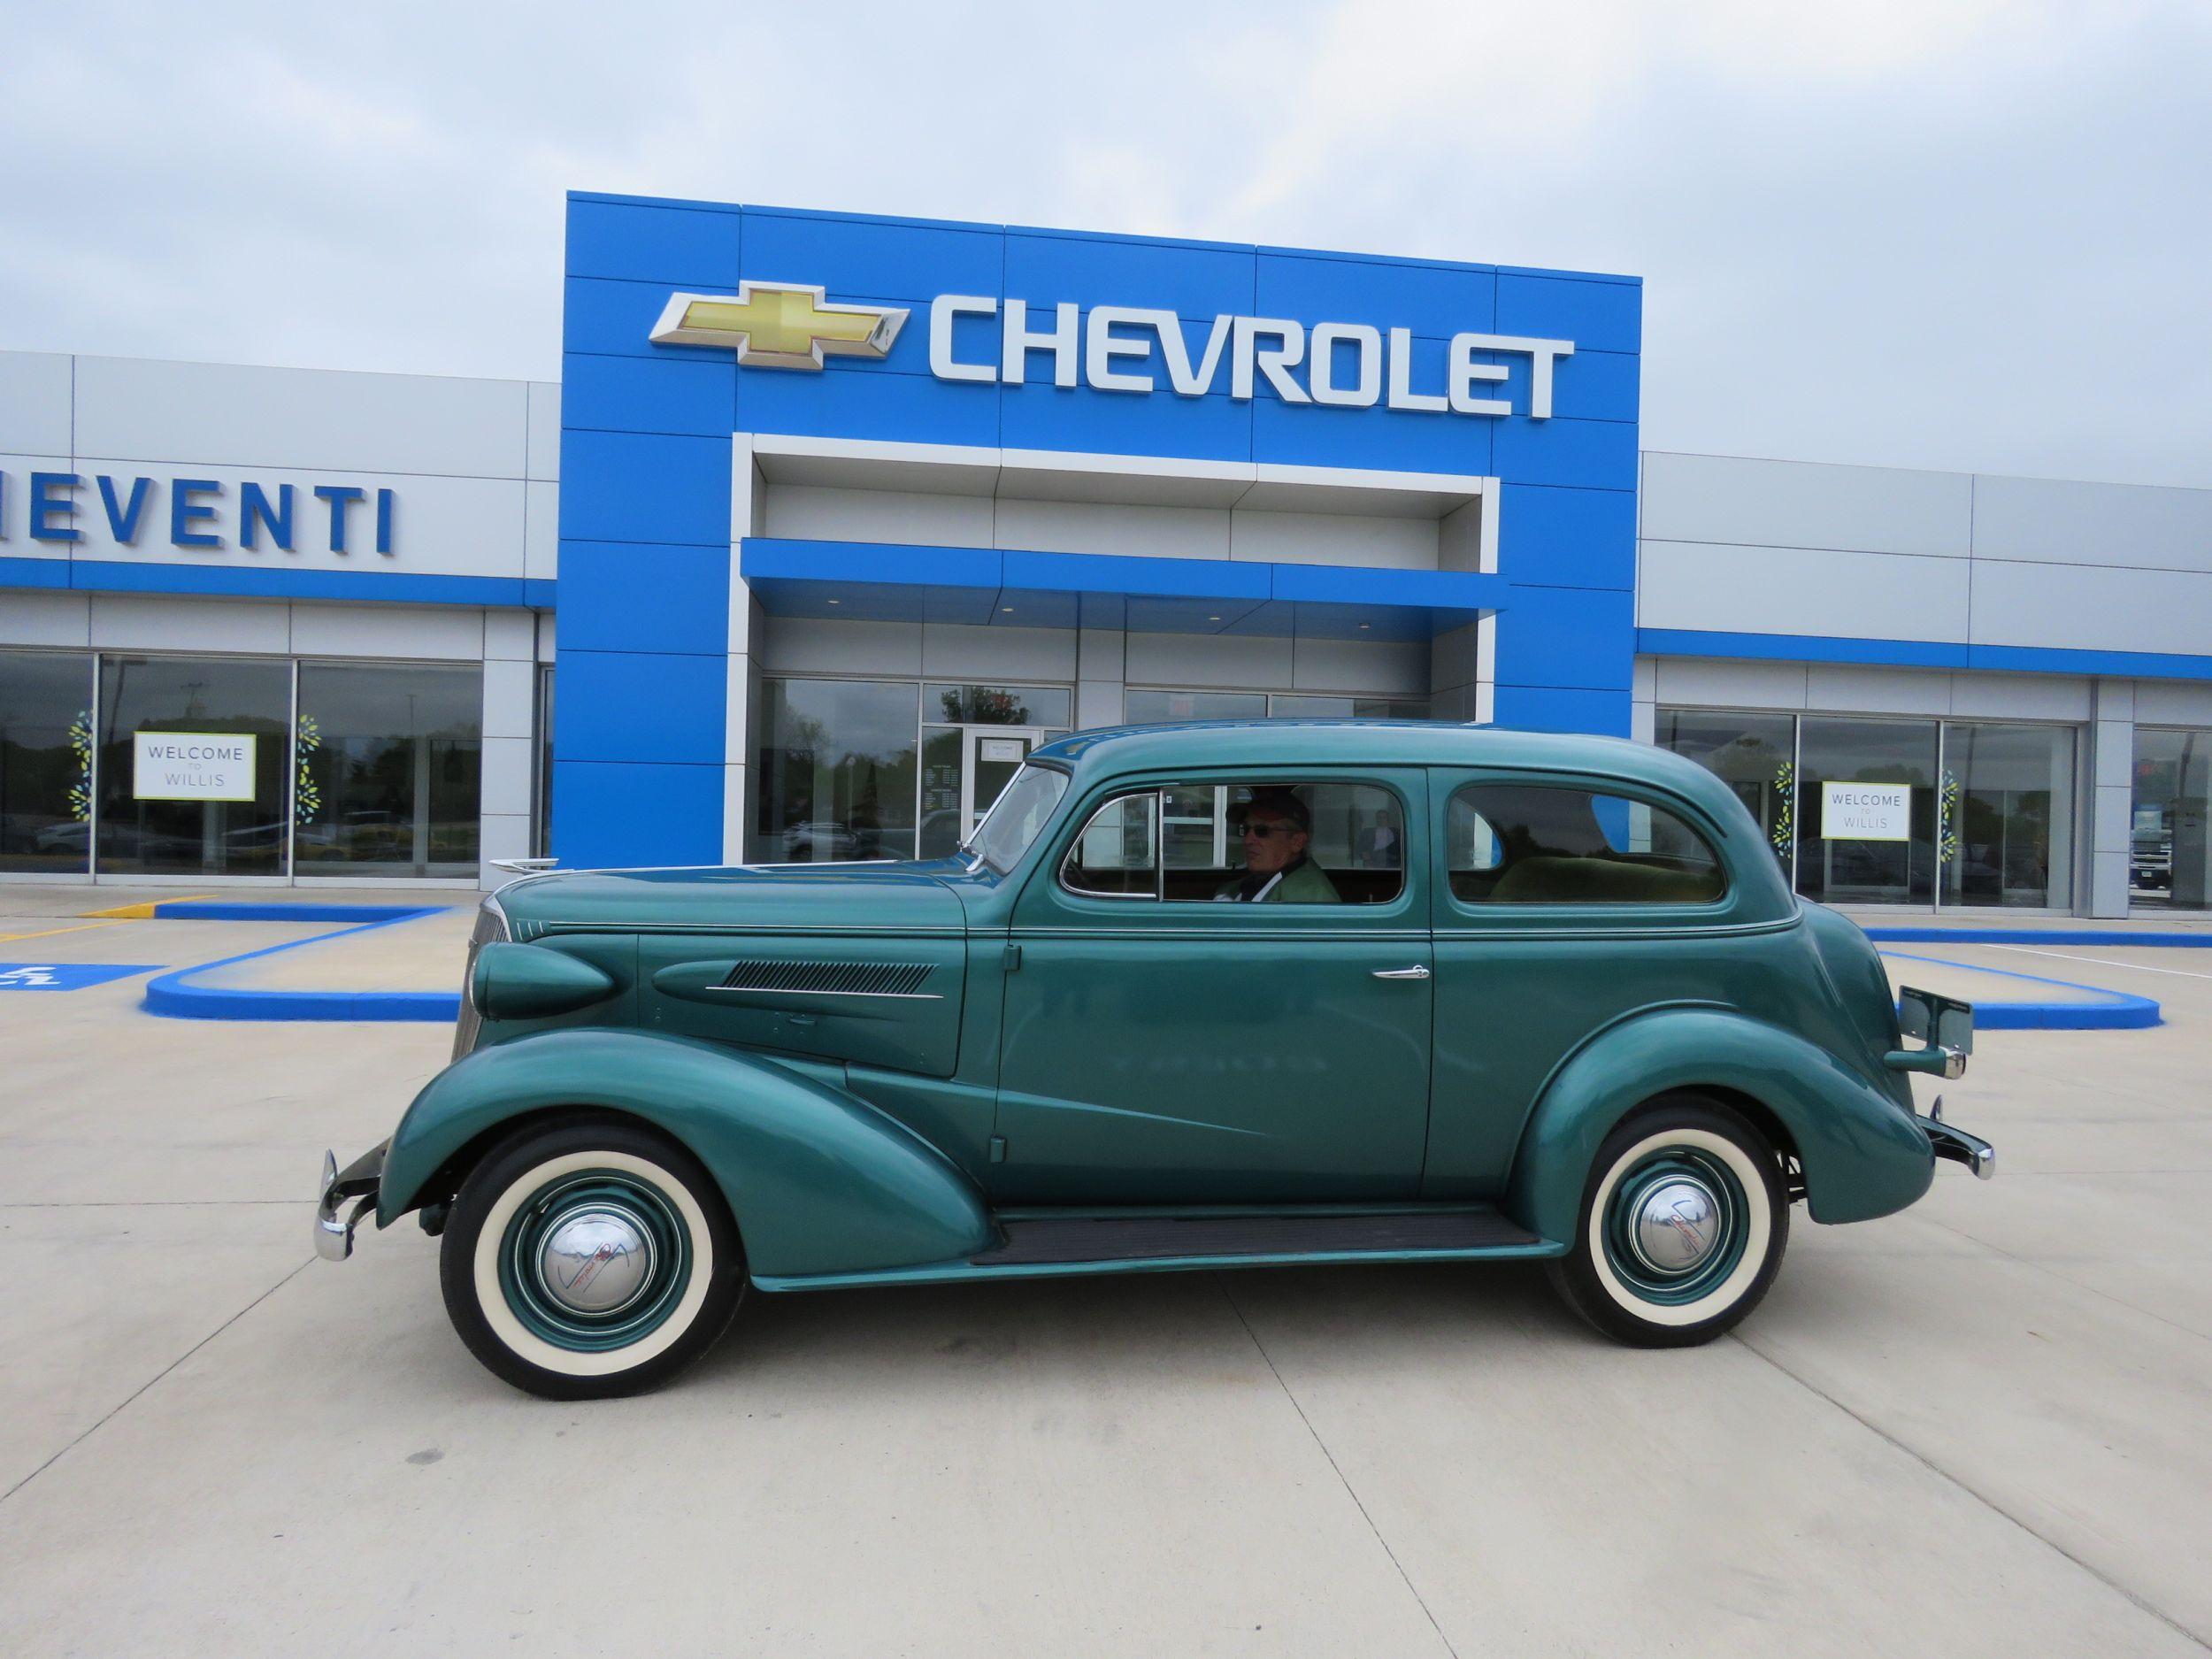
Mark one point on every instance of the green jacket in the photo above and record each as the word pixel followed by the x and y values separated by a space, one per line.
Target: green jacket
pixel 1305 883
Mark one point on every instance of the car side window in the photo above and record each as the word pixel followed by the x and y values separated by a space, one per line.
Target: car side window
pixel 1546 844
pixel 1118 854
pixel 1263 841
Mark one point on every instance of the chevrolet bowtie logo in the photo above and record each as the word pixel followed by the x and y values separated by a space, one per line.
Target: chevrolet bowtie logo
pixel 779 324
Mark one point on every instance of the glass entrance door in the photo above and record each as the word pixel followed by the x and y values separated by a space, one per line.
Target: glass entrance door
pixel 963 768
pixel 990 757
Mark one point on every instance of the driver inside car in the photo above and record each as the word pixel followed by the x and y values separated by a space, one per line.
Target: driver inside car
pixel 1276 826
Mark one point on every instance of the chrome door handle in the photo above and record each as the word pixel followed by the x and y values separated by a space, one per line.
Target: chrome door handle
pixel 1419 971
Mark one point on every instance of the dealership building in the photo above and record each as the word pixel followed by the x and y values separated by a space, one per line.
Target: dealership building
pixel 831 518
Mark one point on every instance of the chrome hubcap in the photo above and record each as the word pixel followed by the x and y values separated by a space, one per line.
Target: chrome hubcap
pixel 597 1260
pixel 1677 1226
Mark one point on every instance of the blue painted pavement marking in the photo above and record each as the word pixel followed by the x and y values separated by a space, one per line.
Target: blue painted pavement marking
pixel 179 996
pixel 67 976
pixel 2113 1010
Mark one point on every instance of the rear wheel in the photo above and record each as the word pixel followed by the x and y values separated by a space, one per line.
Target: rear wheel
pixel 589 1259
pixel 1682 1229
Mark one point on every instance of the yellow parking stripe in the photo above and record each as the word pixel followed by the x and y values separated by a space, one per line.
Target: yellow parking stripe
pixel 48 933
pixel 143 912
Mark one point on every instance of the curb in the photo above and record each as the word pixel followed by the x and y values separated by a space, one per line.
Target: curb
pixel 2120 1010
pixel 173 995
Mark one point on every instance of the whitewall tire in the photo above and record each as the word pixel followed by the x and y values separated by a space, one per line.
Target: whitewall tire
pixel 1683 1221
pixel 590 1257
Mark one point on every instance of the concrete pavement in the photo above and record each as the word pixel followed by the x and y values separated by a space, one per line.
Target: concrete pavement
pixel 1976 1428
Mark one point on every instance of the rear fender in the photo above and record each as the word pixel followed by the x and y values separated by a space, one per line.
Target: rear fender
pixel 1861 1154
pixel 819 1181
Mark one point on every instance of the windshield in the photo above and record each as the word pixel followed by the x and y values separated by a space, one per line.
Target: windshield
pixel 1018 816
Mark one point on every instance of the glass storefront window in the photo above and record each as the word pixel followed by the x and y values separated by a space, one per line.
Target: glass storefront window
pixel 1311 708
pixel 939 831
pixel 390 770
pixel 1147 708
pixel 45 762
pixel 1051 706
pixel 1141 708
pixel 2170 853
pixel 542 840
pixel 1899 811
pixel 1755 755
pixel 837 770
pixel 194 764
pixel 2007 815
pixel 1866 845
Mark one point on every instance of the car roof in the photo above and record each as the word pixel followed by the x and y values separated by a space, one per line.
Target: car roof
pixel 1275 743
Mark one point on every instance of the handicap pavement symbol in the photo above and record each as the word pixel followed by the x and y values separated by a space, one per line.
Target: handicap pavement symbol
pixel 67 976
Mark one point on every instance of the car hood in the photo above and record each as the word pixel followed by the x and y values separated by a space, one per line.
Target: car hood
pixel 797 897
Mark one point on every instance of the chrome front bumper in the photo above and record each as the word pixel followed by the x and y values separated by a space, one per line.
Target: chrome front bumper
pixel 358 1181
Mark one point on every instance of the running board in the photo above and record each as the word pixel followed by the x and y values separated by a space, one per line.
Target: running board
pixel 1054 1241
pixel 1042 1245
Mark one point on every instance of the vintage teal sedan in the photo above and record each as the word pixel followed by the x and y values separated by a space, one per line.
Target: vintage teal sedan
pixel 1190 997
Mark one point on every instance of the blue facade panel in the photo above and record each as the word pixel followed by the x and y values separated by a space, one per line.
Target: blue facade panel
pixel 1197 282
pixel 628 813
pixel 641 486
pixel 1596 314
pixel 653 243
pixel 640 706
pixel 893 408
pixel 646 465
pixel 650 395
pixel 1562 537
pixel 1435 299
pixel 893 260
pixel 644 597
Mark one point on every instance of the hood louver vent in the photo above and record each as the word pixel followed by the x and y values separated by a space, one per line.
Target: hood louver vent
pixel 831 979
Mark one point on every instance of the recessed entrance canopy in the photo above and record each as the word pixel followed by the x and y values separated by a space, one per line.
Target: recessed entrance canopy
pixel 1013 586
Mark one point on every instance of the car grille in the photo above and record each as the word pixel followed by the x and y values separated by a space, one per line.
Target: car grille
pixel 834 978
pixel 491 926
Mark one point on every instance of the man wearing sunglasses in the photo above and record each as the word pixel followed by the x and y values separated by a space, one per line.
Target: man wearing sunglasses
pixel 1276 826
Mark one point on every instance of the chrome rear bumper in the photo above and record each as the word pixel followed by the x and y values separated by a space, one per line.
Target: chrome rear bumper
pixel 358 1180
pixel 1955 1146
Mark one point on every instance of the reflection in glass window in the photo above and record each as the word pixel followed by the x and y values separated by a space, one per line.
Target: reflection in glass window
pixel 943 748
pixel 1303 707
pixel 837 770
pixel 1141 708
pixel 1540 844
pixel 2170 851
pixel 1116 854
pixel 176 798
pixel 390 770
pixel 1018 817
pixel 1151 708
pixel 541 845
pixel 1051 706
pixel 45 761
pixel 2007 815
pixel 1752 754
pixel 1867 846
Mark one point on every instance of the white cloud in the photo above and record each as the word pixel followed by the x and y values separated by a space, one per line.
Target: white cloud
pixel 1942 235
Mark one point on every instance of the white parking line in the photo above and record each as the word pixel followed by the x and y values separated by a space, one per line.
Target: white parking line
pixel 2100 962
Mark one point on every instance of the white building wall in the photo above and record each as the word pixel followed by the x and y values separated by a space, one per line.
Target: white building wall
pixel 473 463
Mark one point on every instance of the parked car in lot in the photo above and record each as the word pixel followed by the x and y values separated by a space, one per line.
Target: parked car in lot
pixel 1422 993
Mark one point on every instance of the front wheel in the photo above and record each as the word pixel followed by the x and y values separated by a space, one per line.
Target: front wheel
pixel 1682 1227
pixel 589 1259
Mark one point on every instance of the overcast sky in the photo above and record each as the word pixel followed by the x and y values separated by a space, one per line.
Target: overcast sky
pixel 1915 232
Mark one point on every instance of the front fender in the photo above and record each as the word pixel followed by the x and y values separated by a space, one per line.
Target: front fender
pixel 819 1181
pixel 1861 1154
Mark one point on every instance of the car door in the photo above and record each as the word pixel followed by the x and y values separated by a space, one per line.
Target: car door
pixel 1562 906
pixel 1161 1045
